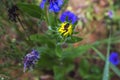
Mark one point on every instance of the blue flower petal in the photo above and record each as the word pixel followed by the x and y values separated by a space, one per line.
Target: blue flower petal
pixel 54 7
pixel 114 58
pixel 60 2
pixel 42 4
pixel 68 16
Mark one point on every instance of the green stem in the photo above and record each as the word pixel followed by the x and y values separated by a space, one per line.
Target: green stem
pixel 46 15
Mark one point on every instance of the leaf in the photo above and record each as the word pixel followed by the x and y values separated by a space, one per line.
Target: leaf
pixel 47 58
pixel 52 20
pixel 38 38
pixel 58 51
pixel 115 69
pixel 84 67
pixel 32 10
pixel 72 52
pixel 43 39
pixel 99 53
pixel 59 73
pixel 107 63
pixel 73 39
pixel 106 69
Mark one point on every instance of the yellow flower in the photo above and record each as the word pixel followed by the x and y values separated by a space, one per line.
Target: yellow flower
pixel 65 29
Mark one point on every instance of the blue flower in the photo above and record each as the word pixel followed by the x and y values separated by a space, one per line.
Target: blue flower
pixel 110 14
pixel 30 59
pixel 54 5
pixel 114 58
pixel 42 4
pixel 68 16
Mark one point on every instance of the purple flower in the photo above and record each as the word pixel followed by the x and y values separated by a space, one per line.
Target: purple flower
pixel 30 59
pixel 68 16
pixel 54 5
pixel 110 14
pixel 114 58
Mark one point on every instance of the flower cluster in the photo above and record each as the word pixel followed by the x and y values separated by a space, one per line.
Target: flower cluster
pixel 54 5
pixel 30 59
pixel 114 58
pixel 68 19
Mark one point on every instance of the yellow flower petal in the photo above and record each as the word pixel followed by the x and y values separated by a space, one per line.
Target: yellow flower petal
pixel 65 29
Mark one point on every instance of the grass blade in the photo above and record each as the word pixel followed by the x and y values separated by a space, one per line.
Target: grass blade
pixel 114 68
pixel 107 63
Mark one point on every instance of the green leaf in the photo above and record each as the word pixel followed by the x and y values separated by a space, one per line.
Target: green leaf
pixel 115 69
pixel 52 20
pixel 84 68
pixel 38 38
pixel 73 39
pixel 59 73
pixel 58 51
pixel 32 10
pixel 72 52
pixel 48 58
pixel 107 63
pixel 43 39
pixel 99 53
